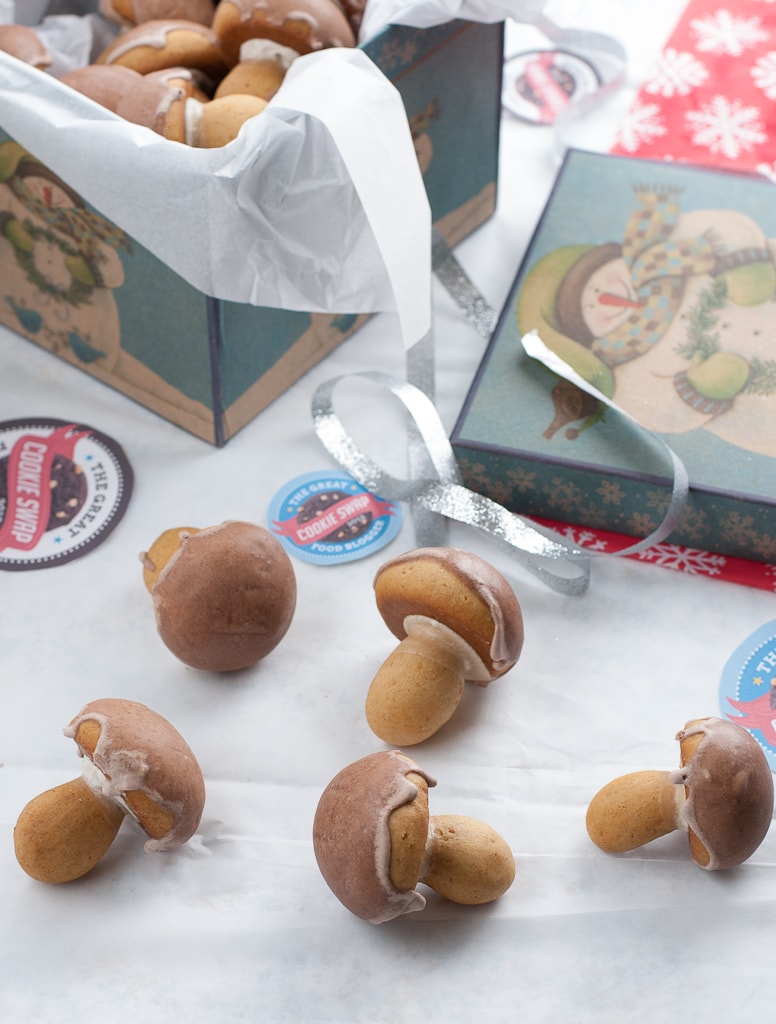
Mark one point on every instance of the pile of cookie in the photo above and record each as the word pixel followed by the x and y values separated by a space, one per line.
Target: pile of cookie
pixel 195 70
pixel 224 598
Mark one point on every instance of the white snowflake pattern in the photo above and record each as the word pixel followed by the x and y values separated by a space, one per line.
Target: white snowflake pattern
pixel 583 538
pixel 676 73
pixel 643 123
pixel 726 126
pixel 767 170
pixel 724 33
pixel 684 559
pixel 764 74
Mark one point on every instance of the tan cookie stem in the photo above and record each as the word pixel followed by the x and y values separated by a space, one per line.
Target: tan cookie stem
pixel 467 861
pixel 415 691
pixel 633 810
pixel 62 833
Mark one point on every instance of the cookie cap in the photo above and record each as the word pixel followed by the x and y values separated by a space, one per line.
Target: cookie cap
pixel 145 765
pixel 729 789
pixel 352 838
pixel 303 25
pixel 226 597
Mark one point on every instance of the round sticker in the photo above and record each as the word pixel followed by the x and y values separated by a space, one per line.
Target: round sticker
pixel 539 85
pixel 327 518
pixel 747 692
pixel 63 488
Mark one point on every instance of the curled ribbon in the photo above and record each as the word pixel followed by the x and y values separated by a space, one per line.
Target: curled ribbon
pixel 680 486
pixel 561 566
pixel 435 490
pixel 451 275
pixel 477 313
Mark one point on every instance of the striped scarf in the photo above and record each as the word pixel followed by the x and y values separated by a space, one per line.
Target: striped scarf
pixel 659 268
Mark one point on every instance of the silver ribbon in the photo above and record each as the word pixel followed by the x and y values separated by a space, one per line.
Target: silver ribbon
pixel 451 275
pixel 680 485
pixel 468 298
pixel 434 489
pixel 561 566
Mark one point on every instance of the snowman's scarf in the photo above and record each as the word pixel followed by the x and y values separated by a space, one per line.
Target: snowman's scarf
pixel 659 270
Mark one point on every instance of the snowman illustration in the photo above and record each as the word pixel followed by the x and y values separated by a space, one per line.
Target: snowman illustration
pixel 673 323
pixel 421 140
pixel 60 262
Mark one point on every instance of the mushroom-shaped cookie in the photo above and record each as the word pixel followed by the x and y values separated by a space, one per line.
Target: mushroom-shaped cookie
pixel 167 43
pixel 24 43
pixel 155 104
pixel 135 12
pixel 218 121
pixel 303 25
pixel 193 83
pixel 134 763
pixel 457 619
pixel 106 84
pixel 722 796
pixel 224 597
pixel 374 841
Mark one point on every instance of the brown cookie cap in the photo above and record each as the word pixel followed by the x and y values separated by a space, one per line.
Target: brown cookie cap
pixel 157 105
pixel 166 43
pixel 352 838
pixel 302 25
pixel 106 84
pixel 145 765
pixel 226 597
pixel 24 43
pixel 135 12
pixel 729 789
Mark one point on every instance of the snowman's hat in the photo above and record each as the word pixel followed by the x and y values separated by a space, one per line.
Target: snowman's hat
pixel 568 297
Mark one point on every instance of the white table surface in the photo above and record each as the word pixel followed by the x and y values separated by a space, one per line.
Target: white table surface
pixel 239 925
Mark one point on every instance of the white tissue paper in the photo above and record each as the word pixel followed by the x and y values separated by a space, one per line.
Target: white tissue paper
pixel 299 212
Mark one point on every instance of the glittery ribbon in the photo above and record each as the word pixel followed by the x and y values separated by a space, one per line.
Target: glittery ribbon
pixel 434 488
pixel 560 565
pixel 450 274
pixel 476 312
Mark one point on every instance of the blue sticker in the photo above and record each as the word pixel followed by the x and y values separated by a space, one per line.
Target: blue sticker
pixel 327 518
pixel 747 692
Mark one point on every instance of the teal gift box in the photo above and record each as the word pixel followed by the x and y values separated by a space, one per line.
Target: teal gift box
pixel 83 288
pixel 656 283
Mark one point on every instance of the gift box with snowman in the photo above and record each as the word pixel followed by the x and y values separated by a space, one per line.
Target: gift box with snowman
pixel 656 283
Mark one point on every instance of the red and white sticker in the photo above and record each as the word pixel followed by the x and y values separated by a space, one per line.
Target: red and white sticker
pixel 63 488
pixel 539 85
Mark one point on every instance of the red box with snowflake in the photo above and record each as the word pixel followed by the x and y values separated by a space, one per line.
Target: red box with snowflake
pixel 656 283
pixel 709 97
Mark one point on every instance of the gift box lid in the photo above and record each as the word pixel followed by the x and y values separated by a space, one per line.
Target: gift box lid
pixel 656 283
